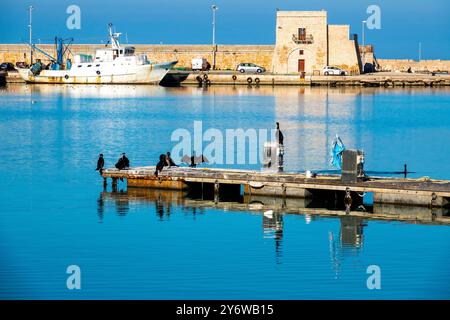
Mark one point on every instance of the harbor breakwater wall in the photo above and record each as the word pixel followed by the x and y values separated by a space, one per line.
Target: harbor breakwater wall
pixel 403 65
pixel 227 56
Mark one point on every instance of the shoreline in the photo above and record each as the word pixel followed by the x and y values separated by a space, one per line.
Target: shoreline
pixel 379 79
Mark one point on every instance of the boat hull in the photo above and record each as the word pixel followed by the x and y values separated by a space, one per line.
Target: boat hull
pixel 105 74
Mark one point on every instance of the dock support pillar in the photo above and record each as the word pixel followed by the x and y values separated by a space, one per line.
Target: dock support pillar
pixel 105 183
pixel 114 184
pixel 216 191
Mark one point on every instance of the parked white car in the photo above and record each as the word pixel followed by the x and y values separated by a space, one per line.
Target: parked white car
pixel 250 67
pixel 333 71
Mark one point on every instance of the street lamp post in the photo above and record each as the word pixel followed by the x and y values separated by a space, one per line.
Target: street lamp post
pixel 363 25
pixel 30 27
pixel 214 9
pixel 420 51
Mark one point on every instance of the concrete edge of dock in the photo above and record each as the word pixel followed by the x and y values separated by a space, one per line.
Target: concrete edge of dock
pixel 381 79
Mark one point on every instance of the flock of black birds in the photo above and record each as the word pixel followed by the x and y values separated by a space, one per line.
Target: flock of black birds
pixel 165 160
pixel 122 163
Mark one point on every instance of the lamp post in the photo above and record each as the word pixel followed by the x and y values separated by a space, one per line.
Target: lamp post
pixel 214 9
pixel 420 51
pixel 30 27
pixel 363 25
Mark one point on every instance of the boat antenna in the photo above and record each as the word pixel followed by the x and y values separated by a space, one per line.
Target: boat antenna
pixel 114 37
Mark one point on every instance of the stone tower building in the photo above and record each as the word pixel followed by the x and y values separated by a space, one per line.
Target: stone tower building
pixel 305 43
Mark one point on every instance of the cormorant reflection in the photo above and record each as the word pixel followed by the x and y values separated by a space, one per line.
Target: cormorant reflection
pixel 122 203
pixel 120 199
pixel 163 206
pixel 100 207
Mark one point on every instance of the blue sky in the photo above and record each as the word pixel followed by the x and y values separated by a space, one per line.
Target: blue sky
pixel 403 23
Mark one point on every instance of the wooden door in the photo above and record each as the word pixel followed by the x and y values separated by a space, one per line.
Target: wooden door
pixel 301 65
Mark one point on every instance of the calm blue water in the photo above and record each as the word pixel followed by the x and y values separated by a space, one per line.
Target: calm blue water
pixel 54 212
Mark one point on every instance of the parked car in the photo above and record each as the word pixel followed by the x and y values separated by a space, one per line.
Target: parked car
pixel 333 71
pixel 250 67
pixel 7 66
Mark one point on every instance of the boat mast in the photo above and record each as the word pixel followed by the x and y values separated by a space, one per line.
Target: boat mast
pixel 30 27
pixel 114 37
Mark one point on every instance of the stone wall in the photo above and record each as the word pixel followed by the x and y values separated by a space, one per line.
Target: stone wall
pixel 227 56
pixel 342 50
pixel 416 66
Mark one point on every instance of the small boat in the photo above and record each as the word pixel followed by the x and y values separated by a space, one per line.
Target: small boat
pixel 111 65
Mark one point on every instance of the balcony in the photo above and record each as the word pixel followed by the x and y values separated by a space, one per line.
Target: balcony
pixel 306 39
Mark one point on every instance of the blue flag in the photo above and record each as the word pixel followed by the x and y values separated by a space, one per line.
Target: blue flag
pixel 337 148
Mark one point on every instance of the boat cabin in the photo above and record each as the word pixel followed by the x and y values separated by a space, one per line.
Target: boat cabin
pixel 111 54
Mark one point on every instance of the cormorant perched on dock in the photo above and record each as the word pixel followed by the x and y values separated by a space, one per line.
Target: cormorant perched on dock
pixel 279 135
pixel 126 161
pixel 169 161
pixel 100 163
pixel 161 164
pixel 123 162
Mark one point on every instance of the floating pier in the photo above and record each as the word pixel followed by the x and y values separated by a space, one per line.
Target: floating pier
pixel 328 188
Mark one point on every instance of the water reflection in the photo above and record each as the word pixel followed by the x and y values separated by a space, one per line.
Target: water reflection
pixel 326 100
pixel 351 232
pixel 348 242
pixel 273 229
pixel 352 224
pixel 345 242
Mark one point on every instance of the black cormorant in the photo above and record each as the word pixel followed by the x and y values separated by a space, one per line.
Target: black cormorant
pixel 100 163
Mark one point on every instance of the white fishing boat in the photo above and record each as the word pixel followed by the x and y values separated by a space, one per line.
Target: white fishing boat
pixel 111 65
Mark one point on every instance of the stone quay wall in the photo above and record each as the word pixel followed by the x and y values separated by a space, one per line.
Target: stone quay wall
pixel 227 56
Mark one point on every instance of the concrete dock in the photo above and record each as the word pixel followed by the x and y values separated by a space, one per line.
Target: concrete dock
pixel 381 79
pixel 217 182
pixel 208 78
